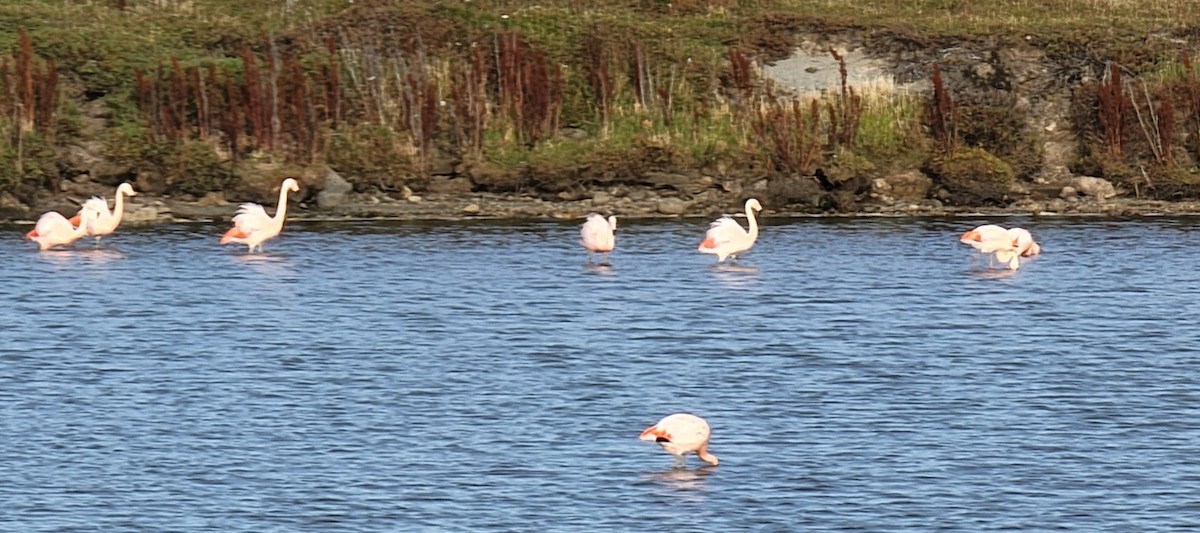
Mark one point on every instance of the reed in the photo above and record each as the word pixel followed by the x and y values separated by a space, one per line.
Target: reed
pixel 1113 109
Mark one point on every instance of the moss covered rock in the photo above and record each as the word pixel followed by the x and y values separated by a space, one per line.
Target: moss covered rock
pixel 972 175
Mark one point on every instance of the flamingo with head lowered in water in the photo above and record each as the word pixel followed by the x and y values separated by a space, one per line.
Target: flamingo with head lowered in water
pixel 596 235
pixel 252 226
pixel 1024 242
pixel 681 434
pixel 105 221
pixel 1004 243
pixel 727 238
pixel 53 229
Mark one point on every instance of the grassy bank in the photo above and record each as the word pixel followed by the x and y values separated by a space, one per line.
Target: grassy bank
pixel 189 97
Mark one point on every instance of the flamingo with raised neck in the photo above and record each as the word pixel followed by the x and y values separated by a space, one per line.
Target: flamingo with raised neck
pixel 106 221
pixel 727 238
pixel 252 226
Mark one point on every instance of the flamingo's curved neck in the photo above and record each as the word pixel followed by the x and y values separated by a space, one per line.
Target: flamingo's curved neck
pixel 281 207
pixel 119 207
pixel 707 457
pixel 753 223
pixel 82 228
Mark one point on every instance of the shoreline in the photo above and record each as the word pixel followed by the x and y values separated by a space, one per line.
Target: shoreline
pixel 152 210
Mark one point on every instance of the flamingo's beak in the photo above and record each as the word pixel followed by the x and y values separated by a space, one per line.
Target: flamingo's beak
pixel 75 220
pixel 971 236
pixel 655 434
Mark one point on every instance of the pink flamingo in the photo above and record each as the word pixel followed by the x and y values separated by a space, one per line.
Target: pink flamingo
pixel 252 226
pixel 106 221
pixel 1024 242
pixel 993 239
pixel 597 235
pixel 53 229
pixel 681 434
pixel 727 238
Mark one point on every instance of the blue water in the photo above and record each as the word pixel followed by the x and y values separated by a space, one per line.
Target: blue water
pixel 859 375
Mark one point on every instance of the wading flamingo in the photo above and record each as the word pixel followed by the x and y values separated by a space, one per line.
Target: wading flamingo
pixel 53 229
pixel 726 238
pixel 1024 242
pixel 252 226
pixel 597 235
pixel 106 221
pixel 993 239
pixel 681 434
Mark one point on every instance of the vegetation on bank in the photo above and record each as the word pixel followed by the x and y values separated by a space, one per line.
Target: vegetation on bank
pixel 193 96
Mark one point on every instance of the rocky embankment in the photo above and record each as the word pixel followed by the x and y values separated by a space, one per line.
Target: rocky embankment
pixel 1036 84
pixel 1082 196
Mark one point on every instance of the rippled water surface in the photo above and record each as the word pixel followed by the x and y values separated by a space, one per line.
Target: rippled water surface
pixel 477 376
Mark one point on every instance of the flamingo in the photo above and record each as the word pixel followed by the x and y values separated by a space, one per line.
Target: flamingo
pixel 1024 242
pixel 106 222
pixel 726 238
pixel 597 235
pixel 990 238
pixel 252 226
pixel 681 434
pixel 53 229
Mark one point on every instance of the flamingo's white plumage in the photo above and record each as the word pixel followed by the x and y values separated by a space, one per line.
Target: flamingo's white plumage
pixel 993 239
pixel 105 221
pixel 596 235
pixel 252 226
pixel 727 238
pixel 1024 242
pixel 53 229
pixel 681 434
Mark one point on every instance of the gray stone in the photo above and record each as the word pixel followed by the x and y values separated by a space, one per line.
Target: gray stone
pixel 414 199
pixel 472 209
pixel 912 185
pixel 1067 192
pixel 335 190
pixel 679 182
pixel 671 206
pixel 1094 187
pixel 140 214
pixel 1057 205
pixel 601 198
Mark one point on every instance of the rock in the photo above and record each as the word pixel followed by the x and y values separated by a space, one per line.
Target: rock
pixel 911 185
pixel 671 206
pixel 80 158
pixel 414 199
pixel 141 214
pixel 1057 205
pixel 334 192
pixel 213 199
pixel 573 195
pixel 789 190
pixel 472 209
pixel 880 186
pixel 449 186
pixel 1094 187
pixel 1067 192
pixel 601 198
pixel 8 201
pixel 679 182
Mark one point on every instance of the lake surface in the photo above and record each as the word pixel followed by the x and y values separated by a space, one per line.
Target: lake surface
pixel 859 375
